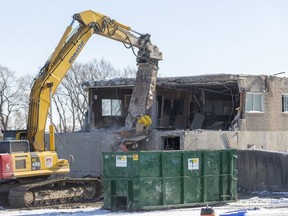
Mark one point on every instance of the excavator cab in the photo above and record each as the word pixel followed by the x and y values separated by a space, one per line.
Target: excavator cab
pixel 14 146
pixel 14 134
pixel 8 149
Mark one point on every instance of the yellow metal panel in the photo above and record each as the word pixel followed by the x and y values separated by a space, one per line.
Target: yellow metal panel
pixel 39 164
pixel 21 162
pixel 89 16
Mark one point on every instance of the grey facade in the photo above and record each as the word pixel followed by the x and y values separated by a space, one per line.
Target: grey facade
pixel 211 111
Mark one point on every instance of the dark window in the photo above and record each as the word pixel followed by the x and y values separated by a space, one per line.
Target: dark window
pixel 171 143
pixel 5 147
pixel 284 103
pixel 14 146
pixel 19 146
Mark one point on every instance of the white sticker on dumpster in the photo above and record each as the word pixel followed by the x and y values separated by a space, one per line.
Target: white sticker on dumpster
pixel 193 163
pixel 121 161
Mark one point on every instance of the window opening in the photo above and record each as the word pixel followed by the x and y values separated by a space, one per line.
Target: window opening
pixel 284 103
pixel 171 143
pixel 111 107
pixel 254 102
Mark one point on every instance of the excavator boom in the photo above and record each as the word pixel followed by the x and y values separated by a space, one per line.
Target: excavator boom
pixel 67 50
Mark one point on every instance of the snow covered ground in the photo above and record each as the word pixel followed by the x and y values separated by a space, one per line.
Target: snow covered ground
pixel 262 206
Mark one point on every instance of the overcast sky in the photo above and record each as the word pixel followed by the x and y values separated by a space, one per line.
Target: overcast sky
pixel 196 36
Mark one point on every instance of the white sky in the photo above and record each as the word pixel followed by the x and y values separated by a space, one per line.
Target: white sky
pixel 196 37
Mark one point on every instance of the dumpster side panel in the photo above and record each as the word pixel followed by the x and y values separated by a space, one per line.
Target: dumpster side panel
pixel 151 192
pixel 146 180
pixel 150 164
pixel 172 164
pixel 192 169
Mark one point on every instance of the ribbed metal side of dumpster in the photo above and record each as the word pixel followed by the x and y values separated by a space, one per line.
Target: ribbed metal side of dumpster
pixel 149 180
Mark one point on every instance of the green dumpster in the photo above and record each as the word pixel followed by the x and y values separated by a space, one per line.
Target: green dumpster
pixel 162 179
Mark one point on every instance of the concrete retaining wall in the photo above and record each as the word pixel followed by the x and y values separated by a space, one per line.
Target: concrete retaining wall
pixel 258 169
pixel 86 149
pixel 262 170
pixel 204 139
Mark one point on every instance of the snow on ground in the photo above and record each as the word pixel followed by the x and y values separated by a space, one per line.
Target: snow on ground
pixel 254 206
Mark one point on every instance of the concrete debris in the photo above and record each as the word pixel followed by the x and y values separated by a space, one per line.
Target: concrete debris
pixel 109 83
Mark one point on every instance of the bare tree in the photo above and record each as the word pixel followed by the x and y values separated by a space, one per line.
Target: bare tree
pixel 71 100
pixel 12 100
pixel 129 72
pixel 60 101
pixel 24 88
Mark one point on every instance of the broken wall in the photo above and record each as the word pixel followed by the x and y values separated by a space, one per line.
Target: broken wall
pixel 176 100
pixel 215 99
pixel 143 93
pixel 109 121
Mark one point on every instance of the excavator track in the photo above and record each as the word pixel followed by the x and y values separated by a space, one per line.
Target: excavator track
pixel 55 191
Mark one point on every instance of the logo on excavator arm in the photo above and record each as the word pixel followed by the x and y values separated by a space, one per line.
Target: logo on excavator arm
pixel 76 53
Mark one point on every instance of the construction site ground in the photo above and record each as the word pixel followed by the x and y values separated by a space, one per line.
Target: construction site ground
pixel 262 203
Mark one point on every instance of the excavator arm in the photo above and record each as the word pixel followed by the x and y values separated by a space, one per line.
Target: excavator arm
pixel 67 50
pixel 33 167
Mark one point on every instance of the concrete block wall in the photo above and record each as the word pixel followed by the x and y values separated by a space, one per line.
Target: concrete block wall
pixel 262 171
pixel 86 149
pixel 275 118
pixel 204 139
pixel 272 119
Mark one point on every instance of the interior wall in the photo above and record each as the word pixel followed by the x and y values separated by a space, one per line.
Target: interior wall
pixel 210 108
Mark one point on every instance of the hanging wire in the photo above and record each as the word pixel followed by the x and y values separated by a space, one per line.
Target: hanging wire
pixel 71 157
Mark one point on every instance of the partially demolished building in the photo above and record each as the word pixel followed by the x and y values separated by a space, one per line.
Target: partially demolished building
pixel 199 112
pixel 188 113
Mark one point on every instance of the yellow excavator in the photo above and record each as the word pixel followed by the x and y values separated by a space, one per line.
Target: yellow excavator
pixel 27 165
